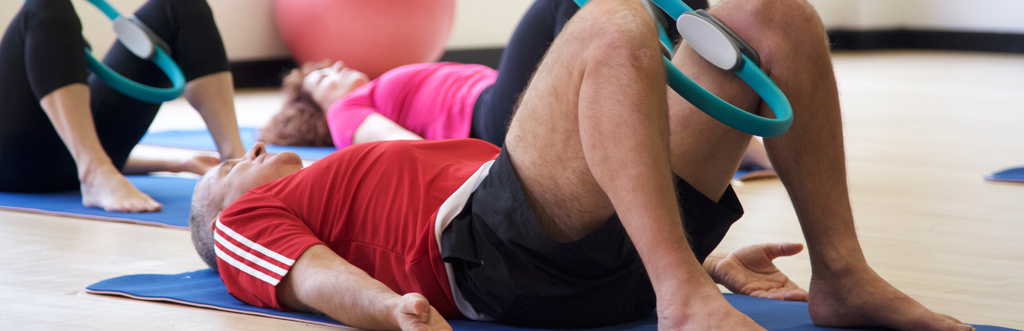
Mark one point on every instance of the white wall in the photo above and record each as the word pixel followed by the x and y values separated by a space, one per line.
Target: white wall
pixel 999 16
pixel 249 33
pixel 248 30
pixel 253 35
pixel 985 16
pixel 498 16
pixel 860 15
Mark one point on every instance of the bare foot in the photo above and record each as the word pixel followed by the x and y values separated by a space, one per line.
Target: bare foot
pixel 199 164
pixel 715 313
pixel 108 189
pixel 863 299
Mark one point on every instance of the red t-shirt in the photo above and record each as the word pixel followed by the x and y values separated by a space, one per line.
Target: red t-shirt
pixel 376 205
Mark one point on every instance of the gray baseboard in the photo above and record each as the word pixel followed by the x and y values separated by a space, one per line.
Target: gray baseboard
pixel 924 39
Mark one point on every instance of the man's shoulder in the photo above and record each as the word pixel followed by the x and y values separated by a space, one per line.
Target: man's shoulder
pixel 464 149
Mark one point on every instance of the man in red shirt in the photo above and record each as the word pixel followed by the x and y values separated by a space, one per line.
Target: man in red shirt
pixel 576 220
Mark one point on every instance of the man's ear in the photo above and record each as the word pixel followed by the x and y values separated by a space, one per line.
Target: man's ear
pixel 216 218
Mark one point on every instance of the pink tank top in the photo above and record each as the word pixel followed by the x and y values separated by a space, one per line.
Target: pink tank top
pixel 432 100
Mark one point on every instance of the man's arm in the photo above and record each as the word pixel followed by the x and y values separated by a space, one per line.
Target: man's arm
pixel 322 281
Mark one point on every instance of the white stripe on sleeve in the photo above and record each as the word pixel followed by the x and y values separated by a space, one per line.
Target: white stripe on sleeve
pixel 257 247
pixel 244 268
pixel 248 256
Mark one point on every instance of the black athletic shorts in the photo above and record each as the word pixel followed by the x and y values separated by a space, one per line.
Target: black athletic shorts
pixel 507 267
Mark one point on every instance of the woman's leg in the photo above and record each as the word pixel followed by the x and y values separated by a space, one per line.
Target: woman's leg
pixel 102 185
pixel 195 45
pixel 32 52
pixel 42 48
pixel 189 29
pixel 49 141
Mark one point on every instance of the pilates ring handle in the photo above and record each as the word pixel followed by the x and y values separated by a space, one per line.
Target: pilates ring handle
pixel 726 50
pixel 145 44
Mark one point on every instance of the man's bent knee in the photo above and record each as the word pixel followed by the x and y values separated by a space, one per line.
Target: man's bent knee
pixel 617 33
pixel 771 26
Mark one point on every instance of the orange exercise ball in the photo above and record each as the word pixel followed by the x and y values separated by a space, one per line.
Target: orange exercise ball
pixel 372 36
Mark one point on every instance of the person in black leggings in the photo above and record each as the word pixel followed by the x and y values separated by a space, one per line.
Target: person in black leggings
pixel 61 128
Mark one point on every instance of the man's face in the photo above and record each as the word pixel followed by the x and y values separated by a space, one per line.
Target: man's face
pixel 233 178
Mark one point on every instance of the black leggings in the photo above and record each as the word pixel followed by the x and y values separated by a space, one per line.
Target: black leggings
pixel 42 51
pixel 535 32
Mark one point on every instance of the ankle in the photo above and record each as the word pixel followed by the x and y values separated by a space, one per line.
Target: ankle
pixel 92 170
pixel 839 262
pixel 690 305
pixel 697 313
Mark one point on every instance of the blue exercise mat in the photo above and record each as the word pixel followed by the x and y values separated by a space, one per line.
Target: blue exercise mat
pixel 202 140
pixel 1015 175
pixel 203 288
pixel 175 193
pixel 752 173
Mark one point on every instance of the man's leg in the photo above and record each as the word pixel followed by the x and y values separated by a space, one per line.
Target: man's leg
pixel 540 25
pixel 590 138
pixel 809 158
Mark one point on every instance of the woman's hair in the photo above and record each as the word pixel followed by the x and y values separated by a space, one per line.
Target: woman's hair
pixel 301 121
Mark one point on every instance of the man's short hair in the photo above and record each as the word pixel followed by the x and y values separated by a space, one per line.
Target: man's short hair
pixel 205 207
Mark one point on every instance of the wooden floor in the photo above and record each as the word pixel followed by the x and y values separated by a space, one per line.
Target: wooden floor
pixel 922 129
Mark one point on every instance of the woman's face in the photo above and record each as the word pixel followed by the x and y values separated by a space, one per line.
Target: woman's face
pixel 329 84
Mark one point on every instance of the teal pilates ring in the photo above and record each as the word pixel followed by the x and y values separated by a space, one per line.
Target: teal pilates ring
pixel 142 42
pixel 723 48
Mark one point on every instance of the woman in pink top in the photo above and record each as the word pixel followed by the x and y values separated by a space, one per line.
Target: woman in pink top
pixel 432 101
pixel 418 101
pixel 429 100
